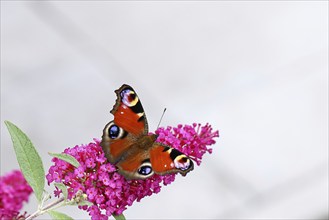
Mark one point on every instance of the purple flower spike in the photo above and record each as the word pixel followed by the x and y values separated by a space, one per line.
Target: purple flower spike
pixel 110 192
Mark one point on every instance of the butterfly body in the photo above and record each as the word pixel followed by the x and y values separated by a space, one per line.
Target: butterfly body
pixel 127 144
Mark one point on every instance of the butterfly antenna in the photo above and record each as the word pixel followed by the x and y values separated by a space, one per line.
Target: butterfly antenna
pixel 164 110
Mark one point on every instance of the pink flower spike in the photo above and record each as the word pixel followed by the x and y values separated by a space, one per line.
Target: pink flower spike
pixel 110 192
pixel 14 190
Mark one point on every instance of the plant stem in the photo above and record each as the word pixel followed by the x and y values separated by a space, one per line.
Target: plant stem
pixel 48 207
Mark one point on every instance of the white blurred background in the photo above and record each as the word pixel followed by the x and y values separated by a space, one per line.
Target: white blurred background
pixel 256 70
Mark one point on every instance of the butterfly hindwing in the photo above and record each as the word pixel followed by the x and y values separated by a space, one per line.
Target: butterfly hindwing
pixel 141 163
pixel 115 141
pixel 136 162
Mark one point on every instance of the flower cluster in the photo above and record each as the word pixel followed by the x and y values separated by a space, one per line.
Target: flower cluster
pixel 109 191
pixel 191 140
pixel 14 190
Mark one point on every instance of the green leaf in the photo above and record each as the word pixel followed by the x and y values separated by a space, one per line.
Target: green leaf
pixel 58 215
pixel 62 187
pixel 119 217
pixel 66 157
pixel 85 202
pixel 28 159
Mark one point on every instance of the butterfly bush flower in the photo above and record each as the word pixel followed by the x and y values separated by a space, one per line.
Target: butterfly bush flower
pixel 14 190
pixel 109 191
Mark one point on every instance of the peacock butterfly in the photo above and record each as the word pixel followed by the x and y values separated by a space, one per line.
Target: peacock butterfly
pixel 127 143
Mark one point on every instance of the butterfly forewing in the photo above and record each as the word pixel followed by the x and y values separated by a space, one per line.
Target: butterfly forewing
pixel 165 159
pixel 128 111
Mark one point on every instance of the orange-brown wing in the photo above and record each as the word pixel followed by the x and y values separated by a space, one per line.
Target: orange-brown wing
pixel 159 159
pixel 165 160
pixel 136 166
pixel 115 141
pixel 128 125
pixel 135 162
pixel 128 112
